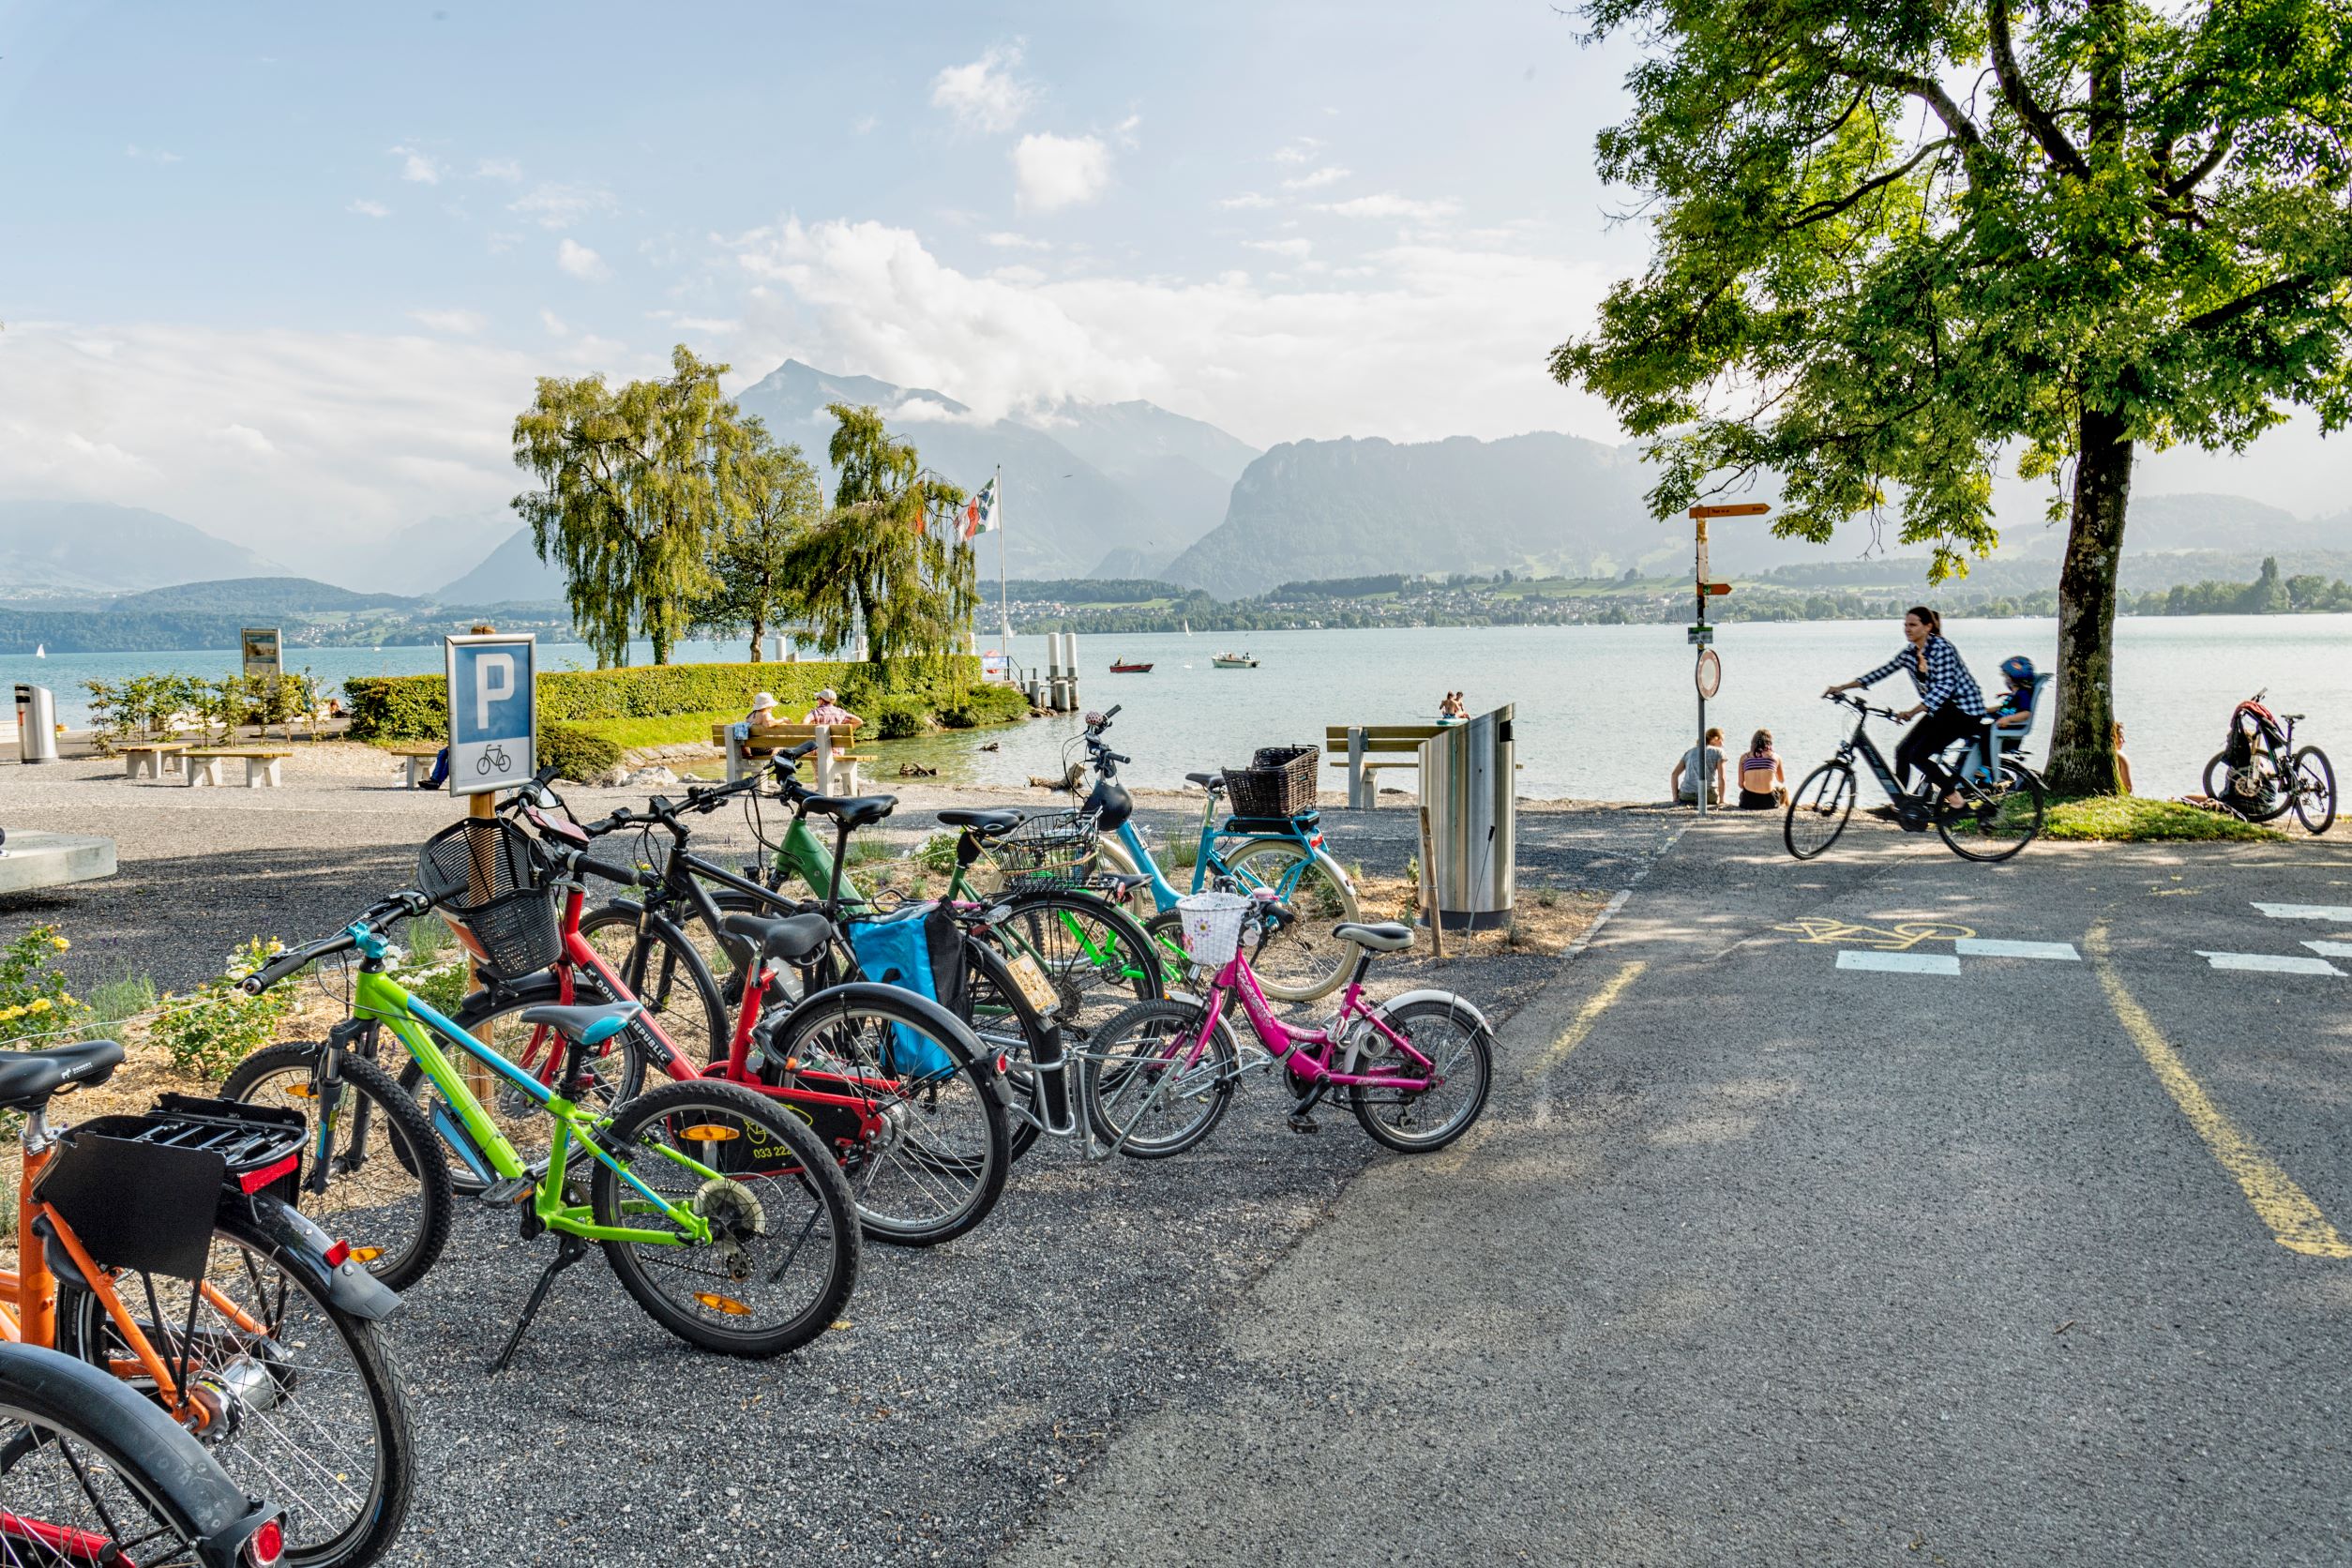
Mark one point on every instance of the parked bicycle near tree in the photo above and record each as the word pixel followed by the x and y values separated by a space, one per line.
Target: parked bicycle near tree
pixel 2260 774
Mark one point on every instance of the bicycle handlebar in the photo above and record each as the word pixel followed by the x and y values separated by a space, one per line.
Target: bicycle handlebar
pixel 408 902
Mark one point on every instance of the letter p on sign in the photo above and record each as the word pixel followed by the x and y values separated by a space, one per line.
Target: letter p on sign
pixel 494 682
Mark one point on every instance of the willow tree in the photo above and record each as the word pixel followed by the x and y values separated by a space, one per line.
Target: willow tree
pixel 876 561
pixel 1895 244
pixel 629 504
pixel 768 500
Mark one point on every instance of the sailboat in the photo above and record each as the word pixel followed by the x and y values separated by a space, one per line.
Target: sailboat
pixel 1188 626
pixel 40 650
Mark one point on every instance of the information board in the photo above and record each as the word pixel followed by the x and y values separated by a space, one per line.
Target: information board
pixel 493 711
pixel 264 652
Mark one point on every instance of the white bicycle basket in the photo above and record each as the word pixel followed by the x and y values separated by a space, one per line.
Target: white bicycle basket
pixel 1212 926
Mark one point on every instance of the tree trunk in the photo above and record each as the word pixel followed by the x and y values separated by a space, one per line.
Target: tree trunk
pixel 2081 743
pixel 759 638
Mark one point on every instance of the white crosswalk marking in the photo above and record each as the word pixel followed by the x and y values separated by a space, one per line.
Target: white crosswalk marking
pixel 2271 963
pixel 1898 963
pixel 1998 947
pixel 2331 949
pixel 2339 915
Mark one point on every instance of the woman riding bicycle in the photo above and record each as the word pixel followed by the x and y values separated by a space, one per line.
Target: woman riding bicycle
pixel 1948 696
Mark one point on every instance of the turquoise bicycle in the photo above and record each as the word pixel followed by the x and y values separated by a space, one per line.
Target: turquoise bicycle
pixel 1299 961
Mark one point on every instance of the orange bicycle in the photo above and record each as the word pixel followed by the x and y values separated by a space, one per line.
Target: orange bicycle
pixel 164 1249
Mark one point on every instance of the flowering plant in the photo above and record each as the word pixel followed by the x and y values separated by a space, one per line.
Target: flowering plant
pixel 32 996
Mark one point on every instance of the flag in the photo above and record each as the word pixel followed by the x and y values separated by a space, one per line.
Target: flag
pixel 980 514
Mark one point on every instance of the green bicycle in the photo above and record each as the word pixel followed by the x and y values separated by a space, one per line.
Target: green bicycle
pixel 721 1215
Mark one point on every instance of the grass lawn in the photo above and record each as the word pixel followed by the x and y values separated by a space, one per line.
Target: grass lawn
pixel 2132 820
pixel 668 730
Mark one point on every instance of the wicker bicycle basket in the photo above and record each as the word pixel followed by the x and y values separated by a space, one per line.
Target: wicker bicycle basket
pixel 491 881
pixel 1278 782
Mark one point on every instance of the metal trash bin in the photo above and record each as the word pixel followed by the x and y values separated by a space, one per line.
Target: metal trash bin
pixel 36 724
pixel 1470 786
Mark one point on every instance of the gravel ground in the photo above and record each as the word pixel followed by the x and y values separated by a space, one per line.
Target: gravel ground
pixel 969 1384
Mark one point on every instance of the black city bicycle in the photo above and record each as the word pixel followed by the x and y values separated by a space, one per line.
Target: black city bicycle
pixel 1993 811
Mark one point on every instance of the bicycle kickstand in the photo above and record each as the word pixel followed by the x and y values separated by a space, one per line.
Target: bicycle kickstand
pixel 568 1250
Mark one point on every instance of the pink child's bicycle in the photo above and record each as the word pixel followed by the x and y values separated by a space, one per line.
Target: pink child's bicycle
pixel 1415 1069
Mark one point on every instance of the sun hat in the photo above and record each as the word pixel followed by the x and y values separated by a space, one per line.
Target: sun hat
pixel 827 694
pixel 763 699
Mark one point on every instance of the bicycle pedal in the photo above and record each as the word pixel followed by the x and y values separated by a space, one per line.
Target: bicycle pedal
pixel 1303 1124
pixel 513 1189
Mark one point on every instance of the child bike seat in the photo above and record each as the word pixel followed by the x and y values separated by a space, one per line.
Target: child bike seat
pixel 853 811
pixel 589 1025
pixel 28 1079
pixel 788 939
pixel 986 823
pixel 1387 936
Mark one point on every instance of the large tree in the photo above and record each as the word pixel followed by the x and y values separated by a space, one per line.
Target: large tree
pixel 878 561
pixel 1897 244
pixel 768 499
pixel 629 497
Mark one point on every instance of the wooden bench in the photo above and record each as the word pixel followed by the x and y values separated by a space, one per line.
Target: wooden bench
pixel 207 766
pixel 1363 749
pixel 419 760
pixel 833 774
pixel 152 759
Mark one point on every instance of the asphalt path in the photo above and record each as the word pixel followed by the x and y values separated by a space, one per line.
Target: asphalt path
pixel 1759 1259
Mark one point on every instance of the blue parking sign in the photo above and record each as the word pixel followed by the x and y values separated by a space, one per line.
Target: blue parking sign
pixel 493 712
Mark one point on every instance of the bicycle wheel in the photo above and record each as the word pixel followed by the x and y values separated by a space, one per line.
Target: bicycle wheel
pixel 1146 1092
pixel 666 973
pixel 92 1474
pixel 1461 1053
pixel 1818 810
pixel 2270 804
pixel 306 1409
pixel 783 1254
pixel 1098 958
pixel 1008 1030
pixel 389 1193
pixel 619 1071
pixel 937 1149
pixel 1993 822
pixel 1302 960
pixel 2312 783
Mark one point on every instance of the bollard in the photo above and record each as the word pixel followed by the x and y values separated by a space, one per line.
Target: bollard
pixel 1069 662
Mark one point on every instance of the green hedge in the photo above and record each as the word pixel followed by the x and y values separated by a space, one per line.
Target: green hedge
pixel 576 752
pixel 415 707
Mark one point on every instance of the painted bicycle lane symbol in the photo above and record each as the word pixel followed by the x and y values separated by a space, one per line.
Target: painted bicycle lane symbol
pixel 1821 931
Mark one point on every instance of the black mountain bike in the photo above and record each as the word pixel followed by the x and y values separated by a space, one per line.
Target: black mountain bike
pixel 2260 773
pixel 1997 811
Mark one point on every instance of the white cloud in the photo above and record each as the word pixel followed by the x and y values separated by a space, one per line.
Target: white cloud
pixel 985 95
pixel 149 155
pixel 554 205
pixel 1055 172
pixel 1389 204
pixel 245 438
pixel 417 167
pixel 555 325
pixel 499 169
pixel 1316 178
pixel 1300 150
pixel 1297 249
pixel 1313 358
pixel 1247 199
pixel 581 262
pixel 366 208
pixel 866 123
pixel 1016 242
pixel 460 322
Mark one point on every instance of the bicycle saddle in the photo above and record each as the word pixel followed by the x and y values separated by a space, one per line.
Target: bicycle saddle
pixel 28 1079
pixel 1387 936
pixel 1207 781
pixel 788 939
pixel 853 811
pixel 986 823
pixel 591 1025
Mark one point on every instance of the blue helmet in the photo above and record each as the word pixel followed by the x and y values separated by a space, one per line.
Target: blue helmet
pixel 2019 669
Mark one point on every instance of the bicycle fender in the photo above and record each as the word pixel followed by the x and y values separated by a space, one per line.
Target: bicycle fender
pixel 934 1016
pixel 1460 1004
pixel 295 1240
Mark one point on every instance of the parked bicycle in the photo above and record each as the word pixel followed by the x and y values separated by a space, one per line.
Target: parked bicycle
pixel 1995 809
pixel 169 1253
pixel 2260 775
pixel 1416 1069
pixel 91 1474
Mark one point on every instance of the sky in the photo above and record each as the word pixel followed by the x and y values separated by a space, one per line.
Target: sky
pixel 289 271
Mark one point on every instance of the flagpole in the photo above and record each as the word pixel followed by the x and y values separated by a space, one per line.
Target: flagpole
pixel 1003 596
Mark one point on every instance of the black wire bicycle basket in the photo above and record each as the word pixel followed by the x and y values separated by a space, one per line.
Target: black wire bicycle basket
pixel 1050 847
pixel 495 883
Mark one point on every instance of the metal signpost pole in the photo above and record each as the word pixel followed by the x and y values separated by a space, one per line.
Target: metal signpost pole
pixel 1702 635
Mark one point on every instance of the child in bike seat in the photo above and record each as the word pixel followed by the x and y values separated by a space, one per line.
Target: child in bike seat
pixel 2015 709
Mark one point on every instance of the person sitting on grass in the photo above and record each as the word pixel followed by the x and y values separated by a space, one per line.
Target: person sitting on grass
pixel 1700 761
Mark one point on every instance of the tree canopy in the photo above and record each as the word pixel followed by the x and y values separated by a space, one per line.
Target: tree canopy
pixel 1897 245
pixel 772 500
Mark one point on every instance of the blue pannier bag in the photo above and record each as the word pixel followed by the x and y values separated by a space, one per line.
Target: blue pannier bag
pixel 905 948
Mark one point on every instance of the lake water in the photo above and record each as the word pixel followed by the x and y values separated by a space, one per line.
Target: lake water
pixel 1603 711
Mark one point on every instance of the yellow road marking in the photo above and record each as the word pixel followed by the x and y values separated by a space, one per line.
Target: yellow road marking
pixel 1587 1016
pixel 2294 1219
pixel 1825 929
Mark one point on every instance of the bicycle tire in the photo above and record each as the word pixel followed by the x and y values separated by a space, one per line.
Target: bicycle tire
pixel 258 1448
pixel 2217 772
pixel 1065 954
pixel 1477 1053
pixel 135 1464
pixel 1829 804
pixel 1109 1083
pixel 2318 818
pixel 678 988
pixel 806 1166
pixel 414 1149
pixel 1302 960
pixel 2019 781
